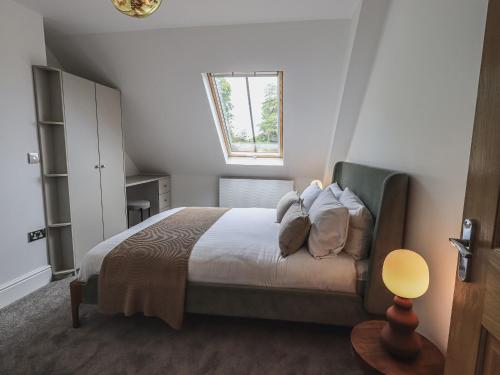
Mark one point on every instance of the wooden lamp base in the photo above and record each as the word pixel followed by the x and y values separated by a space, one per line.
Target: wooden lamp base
pixel 398 335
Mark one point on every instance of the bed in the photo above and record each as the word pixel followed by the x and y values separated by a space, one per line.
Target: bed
pixel 236 269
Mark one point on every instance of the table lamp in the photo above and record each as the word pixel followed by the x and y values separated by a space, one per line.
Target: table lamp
pixel 406 275
pixel 318 183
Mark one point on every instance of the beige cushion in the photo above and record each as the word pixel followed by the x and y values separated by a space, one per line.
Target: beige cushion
pixel 330 223
pixel 309 195
pixel 294 229
pixel 284 204
pixel 360 225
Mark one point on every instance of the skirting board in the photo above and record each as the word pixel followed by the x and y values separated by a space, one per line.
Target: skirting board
pixel 24 285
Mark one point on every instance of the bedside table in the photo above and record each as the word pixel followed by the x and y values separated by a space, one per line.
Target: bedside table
pixel 365 339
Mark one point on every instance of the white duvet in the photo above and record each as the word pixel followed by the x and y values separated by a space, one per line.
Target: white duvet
pixel 241 248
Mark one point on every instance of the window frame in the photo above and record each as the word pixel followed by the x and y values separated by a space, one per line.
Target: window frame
pixel 221 123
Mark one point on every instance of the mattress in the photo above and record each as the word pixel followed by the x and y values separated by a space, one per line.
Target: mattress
pixel 241 248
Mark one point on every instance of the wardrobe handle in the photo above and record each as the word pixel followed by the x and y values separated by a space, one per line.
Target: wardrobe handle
pixel 103 166
pixel 96 166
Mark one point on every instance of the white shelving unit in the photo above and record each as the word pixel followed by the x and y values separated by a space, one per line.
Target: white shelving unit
pixel 52 138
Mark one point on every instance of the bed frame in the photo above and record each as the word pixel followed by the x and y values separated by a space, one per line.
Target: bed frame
pixel 385 194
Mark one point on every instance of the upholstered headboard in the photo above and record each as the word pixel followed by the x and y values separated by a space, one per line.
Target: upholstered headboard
pixel 385 193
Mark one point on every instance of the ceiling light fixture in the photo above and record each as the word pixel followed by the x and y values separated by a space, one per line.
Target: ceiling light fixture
pixel 137 8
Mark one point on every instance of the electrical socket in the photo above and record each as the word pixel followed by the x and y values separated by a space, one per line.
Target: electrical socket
pixel 36 235
pixel 33 158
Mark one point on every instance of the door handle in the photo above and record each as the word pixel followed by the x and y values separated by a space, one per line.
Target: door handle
pixel 103 166
pixel 464 247
pixel 96 166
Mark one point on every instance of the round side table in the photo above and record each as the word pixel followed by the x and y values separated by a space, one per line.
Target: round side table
pixel 365 339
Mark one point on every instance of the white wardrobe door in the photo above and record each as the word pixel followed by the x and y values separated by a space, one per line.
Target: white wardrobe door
pixel 112 163
pixel 83 157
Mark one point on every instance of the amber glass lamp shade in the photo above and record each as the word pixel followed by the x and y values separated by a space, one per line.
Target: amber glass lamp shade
pixel 405 274
pixel 137 8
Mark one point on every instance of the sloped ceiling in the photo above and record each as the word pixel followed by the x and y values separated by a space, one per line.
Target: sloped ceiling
pixel 167 120
pixel 99 16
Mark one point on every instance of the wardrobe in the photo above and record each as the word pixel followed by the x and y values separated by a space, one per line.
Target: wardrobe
pixel 82 161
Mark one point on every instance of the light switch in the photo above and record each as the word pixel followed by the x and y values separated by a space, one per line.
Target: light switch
pixel 33 158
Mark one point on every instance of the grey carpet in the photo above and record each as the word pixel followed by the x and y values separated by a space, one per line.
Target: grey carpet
pixel 36 338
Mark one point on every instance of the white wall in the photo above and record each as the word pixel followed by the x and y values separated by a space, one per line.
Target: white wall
pixel 130 167
pixel 21 44
pixel 417 117
pixel 167 119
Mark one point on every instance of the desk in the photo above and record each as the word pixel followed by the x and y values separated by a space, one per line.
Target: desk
pixel 153 188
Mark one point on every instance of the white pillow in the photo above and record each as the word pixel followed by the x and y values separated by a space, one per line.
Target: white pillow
pixel 337 191
pixel 309 195
pixel 330 224
pixel 360 225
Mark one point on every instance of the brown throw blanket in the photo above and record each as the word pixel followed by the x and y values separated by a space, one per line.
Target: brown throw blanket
pixel 148 271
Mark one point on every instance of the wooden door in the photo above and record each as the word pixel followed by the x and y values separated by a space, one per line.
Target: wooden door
pixel 83 164
pixel 474 346
pixel 109 122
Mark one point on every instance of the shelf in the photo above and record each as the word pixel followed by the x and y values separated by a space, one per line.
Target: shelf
pixel 56 175
pixel 59 225
pixel 60 246
pixel 64 272
pixel 51 122
pixel 52 140
pixel 48 68
pixel 57 201
pixel 48 94
pixel 53 149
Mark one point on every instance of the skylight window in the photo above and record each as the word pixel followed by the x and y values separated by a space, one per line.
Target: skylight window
pixel 249 110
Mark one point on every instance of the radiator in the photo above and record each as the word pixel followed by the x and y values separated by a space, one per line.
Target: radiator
pixel 242 193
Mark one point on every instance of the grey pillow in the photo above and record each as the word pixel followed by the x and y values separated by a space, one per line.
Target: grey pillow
pixel 360 225
pixel 330 223
pixel 284 204
pixel 309 195
pixel 294 229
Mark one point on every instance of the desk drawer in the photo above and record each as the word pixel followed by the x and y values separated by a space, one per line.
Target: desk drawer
pixel 164 201
pixel 164 185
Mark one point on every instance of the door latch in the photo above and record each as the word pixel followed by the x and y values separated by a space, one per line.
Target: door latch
pixel 464 247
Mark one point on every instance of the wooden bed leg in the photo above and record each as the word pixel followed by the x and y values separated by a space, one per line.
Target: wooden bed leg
pixel 75 288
